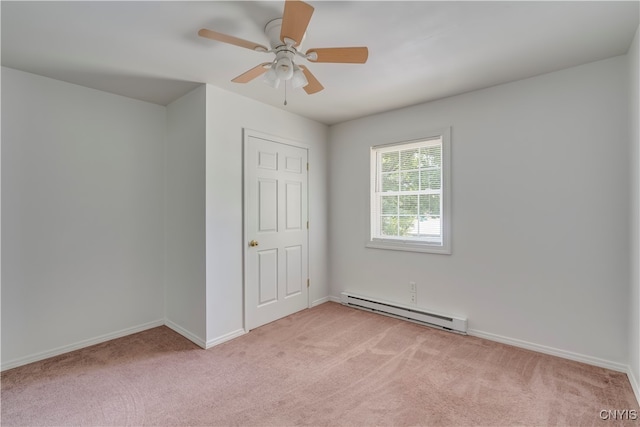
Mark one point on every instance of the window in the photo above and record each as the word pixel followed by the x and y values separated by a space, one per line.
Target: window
pixel 410 195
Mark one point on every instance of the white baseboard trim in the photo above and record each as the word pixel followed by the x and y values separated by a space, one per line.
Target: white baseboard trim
pixel 319 301
pixel 590 360
pixel 335 299
pixel 78 345
pixel 602 363
pixel 186 333
pixel 226 337
pixel 635 383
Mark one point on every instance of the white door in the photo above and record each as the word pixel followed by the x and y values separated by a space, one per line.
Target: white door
pixel 276 234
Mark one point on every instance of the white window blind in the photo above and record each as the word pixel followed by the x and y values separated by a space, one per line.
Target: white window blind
pixel 408 195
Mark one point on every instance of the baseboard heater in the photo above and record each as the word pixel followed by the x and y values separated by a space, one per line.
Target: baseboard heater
pixel 412 314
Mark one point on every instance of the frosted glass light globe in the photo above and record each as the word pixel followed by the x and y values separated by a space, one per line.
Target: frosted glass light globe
pixel 284 68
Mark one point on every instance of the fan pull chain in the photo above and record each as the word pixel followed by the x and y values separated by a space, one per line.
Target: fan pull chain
pixel 285 92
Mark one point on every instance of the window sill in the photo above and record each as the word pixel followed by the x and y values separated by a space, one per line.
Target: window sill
pixel 408 246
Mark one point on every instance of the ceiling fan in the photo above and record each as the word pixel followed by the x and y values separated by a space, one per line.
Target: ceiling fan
pixel 285 36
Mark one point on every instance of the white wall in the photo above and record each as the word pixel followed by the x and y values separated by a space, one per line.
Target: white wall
pixel 119 215
pixel 634 297
pixel 82 216
pixel 227 115
pixel 185 269
pixel 204 296
pixel 540 184
pixel 85 235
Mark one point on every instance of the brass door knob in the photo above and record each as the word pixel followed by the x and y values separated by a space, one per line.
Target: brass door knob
pixel 253 243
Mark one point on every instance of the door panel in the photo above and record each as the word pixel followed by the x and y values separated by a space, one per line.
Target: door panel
pixel 267 160
pixel 294 279
pixel 267 276
pixel 293 195
pixel 276 214
pixel 267 205
pixel 293 164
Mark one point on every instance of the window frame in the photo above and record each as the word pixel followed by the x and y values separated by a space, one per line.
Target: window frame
pixel 413 244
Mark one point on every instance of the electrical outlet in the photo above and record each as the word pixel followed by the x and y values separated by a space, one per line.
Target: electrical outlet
pixel 412 287
pixel 413 298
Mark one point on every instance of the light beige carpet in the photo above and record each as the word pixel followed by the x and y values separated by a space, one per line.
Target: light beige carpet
pixel 330 365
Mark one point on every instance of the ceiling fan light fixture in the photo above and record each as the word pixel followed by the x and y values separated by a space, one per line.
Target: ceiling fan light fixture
pixel 298 79
pixel 271 77
pixel 284 68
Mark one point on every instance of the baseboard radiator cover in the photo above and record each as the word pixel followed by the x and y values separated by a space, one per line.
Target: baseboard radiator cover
pixel 411 314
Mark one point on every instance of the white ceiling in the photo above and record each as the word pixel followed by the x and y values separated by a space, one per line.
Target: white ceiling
pixel 418 50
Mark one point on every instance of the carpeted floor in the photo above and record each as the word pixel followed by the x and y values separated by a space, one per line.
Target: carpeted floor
pixel 329 365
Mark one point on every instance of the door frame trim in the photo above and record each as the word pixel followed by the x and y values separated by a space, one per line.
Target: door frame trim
pixel 246 134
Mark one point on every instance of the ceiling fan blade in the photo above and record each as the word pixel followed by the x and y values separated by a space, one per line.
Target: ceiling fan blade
pixel 225 38
pixel 352 55
pixel 314 85
pixel 256 71
pixel 295 20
